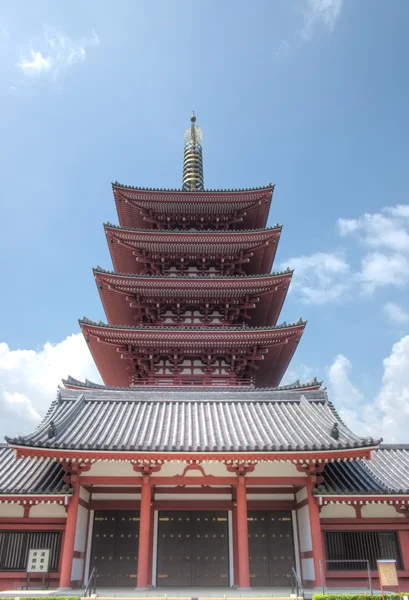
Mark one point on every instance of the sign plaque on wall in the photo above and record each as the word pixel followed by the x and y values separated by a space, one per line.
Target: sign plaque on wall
pixel 388 576
pixel 38 563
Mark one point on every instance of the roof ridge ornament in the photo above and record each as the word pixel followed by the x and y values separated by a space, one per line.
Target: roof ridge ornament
pixel 192 180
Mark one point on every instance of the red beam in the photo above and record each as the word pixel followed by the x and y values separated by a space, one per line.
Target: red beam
pixel 30 521
pixel 180 489
pixel 199 456
pixel 193 505
pixel 33 527
pixel 114 505
pixel 176 480
pixel 100 489
pixel 364 520
pixel 362 526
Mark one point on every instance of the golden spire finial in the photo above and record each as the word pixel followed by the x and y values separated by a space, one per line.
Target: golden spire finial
pixel 193 160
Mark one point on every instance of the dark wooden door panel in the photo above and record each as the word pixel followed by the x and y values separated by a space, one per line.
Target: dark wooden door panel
pixel 126 548
pixel 281 547
pixel 259 555
pixel 193 549
pixel 271 547
pixel 103 546
pixel 114 552
pixel 210 549
pixel 174 566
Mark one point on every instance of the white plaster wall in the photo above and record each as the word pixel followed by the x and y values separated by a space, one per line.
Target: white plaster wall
pixel 48 511
pixel 380 510
pixel 251 496
pixel 308 571
pixel 170 469
pixel 84 494
pixel 285 469
pixel 301 495
pixel 112 469
pixel 304 529
pixel 11 510
pixel 337 511
pixel 81 529
pixel 76 571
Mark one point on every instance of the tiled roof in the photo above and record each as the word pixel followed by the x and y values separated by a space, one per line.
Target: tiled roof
pixel 194 233
pixel 296 385
pixel 197 276
pixel 29 476
pixel 386 473
pixel 179 191
pixel 204 421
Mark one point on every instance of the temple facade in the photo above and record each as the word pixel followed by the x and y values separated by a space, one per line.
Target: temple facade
pixel 192 466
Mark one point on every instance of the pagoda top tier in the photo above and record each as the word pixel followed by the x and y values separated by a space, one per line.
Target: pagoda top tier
pixel 140 208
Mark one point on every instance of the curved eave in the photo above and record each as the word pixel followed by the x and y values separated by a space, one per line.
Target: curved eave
pixel 118 291
pixel 135 205
pixel 125 245
pixel 107 344
pixel 75 384
pixel 319 456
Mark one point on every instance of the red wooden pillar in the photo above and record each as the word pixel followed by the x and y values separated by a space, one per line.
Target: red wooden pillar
pixel 316 534
pixel 242 534
pixel 144 533
pixel 69 538
pixel 235 552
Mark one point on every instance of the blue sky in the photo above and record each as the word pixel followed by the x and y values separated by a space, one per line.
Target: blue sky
pixel 309 94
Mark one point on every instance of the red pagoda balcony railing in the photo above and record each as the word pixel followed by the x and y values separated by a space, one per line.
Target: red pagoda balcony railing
pixel 171 381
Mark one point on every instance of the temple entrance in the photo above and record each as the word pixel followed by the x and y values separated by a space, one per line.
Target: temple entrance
pixel 193 549
pixel 271 548
pixel 114 552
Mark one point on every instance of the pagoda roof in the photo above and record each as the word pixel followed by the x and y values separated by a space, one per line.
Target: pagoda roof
pixel 124 242
pixel 174 421
pixel 118 290
pixel 108 344
pixel 28 476
pixel 75 384
pixel 386 473
pixel 135 204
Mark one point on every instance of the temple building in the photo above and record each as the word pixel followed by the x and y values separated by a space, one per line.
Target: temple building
pixel 193 466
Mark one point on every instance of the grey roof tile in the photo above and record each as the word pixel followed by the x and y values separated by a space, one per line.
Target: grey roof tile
pixel 30 476
pixel 386 473
pixel 201 421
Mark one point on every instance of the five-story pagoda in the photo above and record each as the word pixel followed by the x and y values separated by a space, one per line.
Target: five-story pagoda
pixel 190 466
pixel 192 300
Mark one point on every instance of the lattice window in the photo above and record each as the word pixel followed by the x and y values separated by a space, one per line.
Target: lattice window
pixel 360 546
pixel 14 547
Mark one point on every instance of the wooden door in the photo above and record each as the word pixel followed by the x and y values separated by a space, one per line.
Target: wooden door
pixel 193 549
pixel 114 552
pixel 271 548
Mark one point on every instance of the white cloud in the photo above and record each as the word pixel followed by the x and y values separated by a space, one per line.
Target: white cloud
pixel 319 13
pixel 377 230
pixel 37 63
pixel 54 52
pixel 314 14
pixel 387 415
pixel 320 277
pixel 382 259
pixel 395 314
pixel 29 380
pixel 378 270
